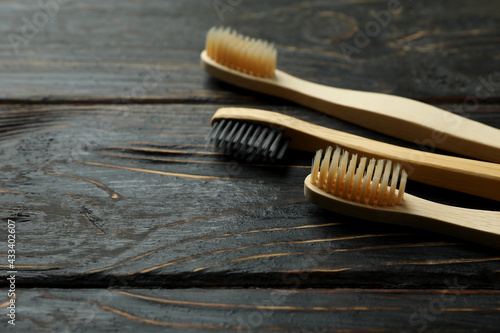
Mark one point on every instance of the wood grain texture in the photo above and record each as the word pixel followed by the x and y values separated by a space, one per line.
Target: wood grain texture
pixel 254 310
pixel 100 51
pixel 133 193
pixel 104 168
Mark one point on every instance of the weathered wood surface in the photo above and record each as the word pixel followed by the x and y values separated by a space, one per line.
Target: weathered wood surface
pixel 269 310
pixel 101 50
pixel 134 192
pixel 106 197
pixel 106 174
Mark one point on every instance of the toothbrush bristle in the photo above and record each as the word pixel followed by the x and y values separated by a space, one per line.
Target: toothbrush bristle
pixel 231 49
pixel 247 141
pixel 374 183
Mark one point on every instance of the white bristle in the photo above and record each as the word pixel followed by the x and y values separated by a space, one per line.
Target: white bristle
pixel 325 165
pixel 384 181
pixel 315 167
pixel 349 175
pixel 367 179
pixel 248 55
pixel 357 178
pixel 402 187
pixel 376 180
pixel 341 172
pixel 361 182
pixel 394 182
pixel 332 172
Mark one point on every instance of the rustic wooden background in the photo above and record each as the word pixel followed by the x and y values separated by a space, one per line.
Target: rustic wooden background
pixel 125 221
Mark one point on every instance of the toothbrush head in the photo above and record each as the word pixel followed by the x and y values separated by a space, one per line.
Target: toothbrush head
pixel 361 190
pixel 247 55
pixel 247 141
pixel 339 175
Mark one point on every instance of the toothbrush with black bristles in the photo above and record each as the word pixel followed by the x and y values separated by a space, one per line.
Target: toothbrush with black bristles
pixel 256 135
pixel 251 64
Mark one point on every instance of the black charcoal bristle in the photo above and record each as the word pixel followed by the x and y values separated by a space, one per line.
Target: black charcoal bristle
pixel 247 141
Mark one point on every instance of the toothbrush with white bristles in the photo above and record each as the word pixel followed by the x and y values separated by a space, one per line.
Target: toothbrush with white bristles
pixel 375 190
pixel 251 64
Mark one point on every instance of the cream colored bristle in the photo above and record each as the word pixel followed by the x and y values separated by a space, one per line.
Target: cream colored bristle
pixel 367 180
pixel 315 167
pixel 357 178
pixel 332 172
pixel 325 166
pixel 248 55
pixel 349 175
pixel 341 172
pixel 383 184
pixel 394 182
pixel 402 187
pixel 376 180
pixel 342 176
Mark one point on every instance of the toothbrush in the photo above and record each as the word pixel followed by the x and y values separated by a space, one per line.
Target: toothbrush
pixel 263 135
pixel 251 64
pixel 340 183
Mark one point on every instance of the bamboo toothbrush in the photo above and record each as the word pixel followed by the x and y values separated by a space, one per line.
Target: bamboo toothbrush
pixel 340 183
pixel 251 64
pixel 263 135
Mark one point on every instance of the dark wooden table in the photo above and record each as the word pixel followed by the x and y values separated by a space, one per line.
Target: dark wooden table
pixel 124 221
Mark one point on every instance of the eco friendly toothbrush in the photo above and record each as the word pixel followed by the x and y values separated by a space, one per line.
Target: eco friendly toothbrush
pixel 367 189
pixel 263 135
pixel 251 64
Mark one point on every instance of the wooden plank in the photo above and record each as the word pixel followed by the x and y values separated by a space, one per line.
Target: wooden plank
pixel 149 50
pixel 111 192
pixel 230 310
pixel 103 113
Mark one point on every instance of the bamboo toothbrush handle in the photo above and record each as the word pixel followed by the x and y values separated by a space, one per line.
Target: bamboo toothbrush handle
pixel 396 116
pixel 392 115
pixel 478 226
pixel 459 174
pixel 455 173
